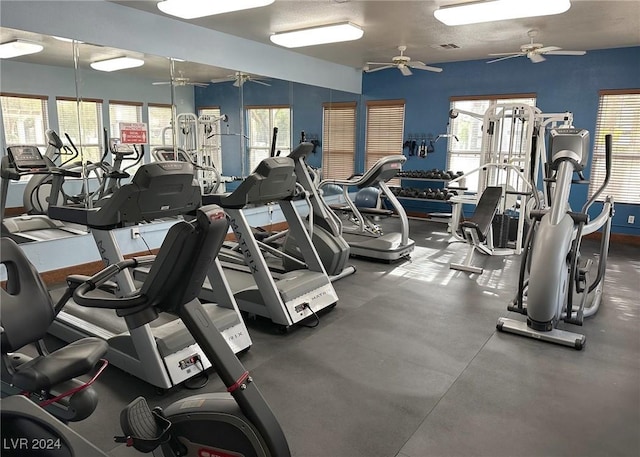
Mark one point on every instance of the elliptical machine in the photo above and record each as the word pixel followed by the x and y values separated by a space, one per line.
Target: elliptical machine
pixel 559 287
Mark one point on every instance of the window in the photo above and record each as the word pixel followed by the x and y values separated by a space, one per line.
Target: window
pixel 210 130
pixel 83 125
pixel 464 154
pixel 159 126
pixel 618 115
pixel 385 130
pixel 338 140
pixel 25 119
pixel 262 120
pixel 123 112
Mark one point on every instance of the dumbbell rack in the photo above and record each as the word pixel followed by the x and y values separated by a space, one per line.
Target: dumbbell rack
pixel 419 199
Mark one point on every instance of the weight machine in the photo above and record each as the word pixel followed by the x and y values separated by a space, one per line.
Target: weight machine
pixel 195 137
pixel 513 163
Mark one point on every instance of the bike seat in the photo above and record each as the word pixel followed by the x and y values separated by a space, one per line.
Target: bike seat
pixel 75 359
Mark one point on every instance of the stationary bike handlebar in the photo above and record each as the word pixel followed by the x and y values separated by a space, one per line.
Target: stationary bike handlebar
pixel 81 297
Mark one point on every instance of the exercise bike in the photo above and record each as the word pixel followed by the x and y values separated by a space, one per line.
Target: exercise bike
pixel 559 286
pixel 236 423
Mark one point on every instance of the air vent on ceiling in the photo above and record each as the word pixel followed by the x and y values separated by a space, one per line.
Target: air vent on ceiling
pixel 449 46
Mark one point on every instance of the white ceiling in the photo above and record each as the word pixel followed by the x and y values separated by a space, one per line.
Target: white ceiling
pixel 588 25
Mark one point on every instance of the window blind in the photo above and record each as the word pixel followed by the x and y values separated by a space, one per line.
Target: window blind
pixel 83 123
pixel 338 140
pixel 159 120
pixel 618 115
pixel 385 130
pixel 25 119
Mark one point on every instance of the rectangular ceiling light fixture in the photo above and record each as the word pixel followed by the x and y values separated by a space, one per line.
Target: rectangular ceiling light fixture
pixel 332 33
pixel 119 63
pixel 191 9
pixel 17 48
pixel 499 10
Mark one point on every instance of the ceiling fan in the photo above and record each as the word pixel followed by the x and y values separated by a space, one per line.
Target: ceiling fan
pixel 240 78
pixel 180 80
pixel 402 63
pixel 535 52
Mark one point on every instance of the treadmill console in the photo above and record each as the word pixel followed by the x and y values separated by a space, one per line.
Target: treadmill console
pixel 26 158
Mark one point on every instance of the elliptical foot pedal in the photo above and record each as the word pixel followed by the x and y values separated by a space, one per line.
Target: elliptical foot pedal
pixel 144 429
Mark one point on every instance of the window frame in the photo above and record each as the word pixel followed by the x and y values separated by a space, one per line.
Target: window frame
pixel 256 153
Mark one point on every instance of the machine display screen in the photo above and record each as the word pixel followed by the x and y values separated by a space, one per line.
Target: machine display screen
pixel 26 157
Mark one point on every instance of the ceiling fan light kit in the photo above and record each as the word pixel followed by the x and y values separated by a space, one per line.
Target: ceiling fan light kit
pixel 17 48
pixel 331 33
pixel 119 63
pixel 499 10
pixel 192 9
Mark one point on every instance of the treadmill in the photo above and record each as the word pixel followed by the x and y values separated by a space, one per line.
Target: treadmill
pixel 288 298
pixel 390 246
pixel 162 352
pixel 24 161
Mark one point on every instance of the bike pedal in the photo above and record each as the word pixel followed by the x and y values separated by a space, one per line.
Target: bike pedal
pixel 144 429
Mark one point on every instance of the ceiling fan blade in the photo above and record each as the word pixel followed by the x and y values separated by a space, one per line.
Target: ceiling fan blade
pixel 371 70
pixel 257 81
pixel 510 54
pixel 546 49
pixel 535 57
pixel 220 80
pixel 566 53
pixel 379 63
pixel 199 84
pixel 505 58
pixel 404 70
pixel 422 66
pixel 160 83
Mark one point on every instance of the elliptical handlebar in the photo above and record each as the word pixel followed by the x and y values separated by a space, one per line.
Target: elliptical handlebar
pixel 608 148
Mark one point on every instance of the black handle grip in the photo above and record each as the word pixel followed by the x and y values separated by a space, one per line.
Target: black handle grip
pixel 608 149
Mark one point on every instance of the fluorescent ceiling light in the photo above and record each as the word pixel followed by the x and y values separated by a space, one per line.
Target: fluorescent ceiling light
pixel 18 48
pixel 119 63
pixel 191 9
pixel 332 33
pixel 498 10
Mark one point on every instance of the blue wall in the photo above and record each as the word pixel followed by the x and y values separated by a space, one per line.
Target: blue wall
pixel 560 84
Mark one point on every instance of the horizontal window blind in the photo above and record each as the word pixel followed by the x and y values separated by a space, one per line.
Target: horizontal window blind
pixel 25 120
pixel 338 140
pixel 618 115
pixel 385 130
pixel 83 123
pixel 159 123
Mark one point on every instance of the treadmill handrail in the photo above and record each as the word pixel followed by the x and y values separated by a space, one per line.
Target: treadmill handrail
pixel 370 174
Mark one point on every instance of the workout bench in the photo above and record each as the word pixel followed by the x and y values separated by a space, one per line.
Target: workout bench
pixel 477 230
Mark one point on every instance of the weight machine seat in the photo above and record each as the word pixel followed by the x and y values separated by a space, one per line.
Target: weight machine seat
pixel 157 190
pixel 27 313
pixel 485 211
pixel 273 179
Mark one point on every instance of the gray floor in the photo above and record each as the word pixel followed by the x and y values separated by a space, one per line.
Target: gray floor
pixel 409 364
